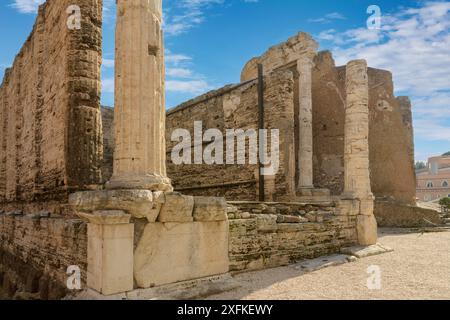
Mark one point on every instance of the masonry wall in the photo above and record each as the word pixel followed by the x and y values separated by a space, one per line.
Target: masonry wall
pixel 236 107
pixel 390 133
pixel 50 108
pixel 35 252
pixel 50 145
pixel 276 234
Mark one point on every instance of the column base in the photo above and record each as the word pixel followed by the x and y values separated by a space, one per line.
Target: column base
pixel 311 194
pixel 140 182
pixel 109 251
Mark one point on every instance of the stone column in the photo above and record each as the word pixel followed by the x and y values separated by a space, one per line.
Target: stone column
pixel 305 152
pixel 140 155
pixel 356 153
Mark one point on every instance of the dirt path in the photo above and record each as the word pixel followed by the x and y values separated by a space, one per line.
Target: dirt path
pixel 419 268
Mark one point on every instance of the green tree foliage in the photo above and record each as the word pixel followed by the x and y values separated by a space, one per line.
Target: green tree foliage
pixel 446 154
pixel 445 202
pixel 420 165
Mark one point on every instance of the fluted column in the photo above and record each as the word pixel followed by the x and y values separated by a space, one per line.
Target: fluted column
pixel 356 153
pixel 305 151
pixel 140 154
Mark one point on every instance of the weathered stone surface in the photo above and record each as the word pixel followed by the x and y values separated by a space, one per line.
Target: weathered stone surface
pixel 110 254
pixel 265 240
pixel 392 214
pixel 366 251
pixel 321 263
pixel 173 252
pixel 50 123
pixel 210 209
pixel 366 228
pixel 186 290
pixel 237 182
pixel 177 208
pixel 138 203
pixel 32 251
pixel 140 150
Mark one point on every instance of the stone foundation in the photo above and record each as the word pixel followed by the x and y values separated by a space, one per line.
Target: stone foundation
pixel 276 234
pixel 35 252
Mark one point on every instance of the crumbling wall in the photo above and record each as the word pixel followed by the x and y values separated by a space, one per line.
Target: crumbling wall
pixel 328 95
pixel 390 133
pixel 236 107
pixel 50 108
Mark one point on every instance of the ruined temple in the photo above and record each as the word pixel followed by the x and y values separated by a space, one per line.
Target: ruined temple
pixel 94 188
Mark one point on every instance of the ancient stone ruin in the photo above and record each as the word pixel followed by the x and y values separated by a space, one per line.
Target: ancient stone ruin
pixel 77 192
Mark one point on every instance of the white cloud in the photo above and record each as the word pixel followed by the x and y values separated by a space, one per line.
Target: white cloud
pixel 108 63
pixel 414 44
pixel 188 86
pixel 179 72
pixel 108 85
pixel 328 18
pixel 27 6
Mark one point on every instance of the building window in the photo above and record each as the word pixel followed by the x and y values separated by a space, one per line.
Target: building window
pixel 430 184
pixel 445 184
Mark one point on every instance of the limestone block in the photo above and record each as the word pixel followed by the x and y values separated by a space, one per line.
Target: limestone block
pixel 267 222
pixel 173 252
pixel 177 208
pixel 110 252
pixel 138 203
pixel 366 228
pixel 210 209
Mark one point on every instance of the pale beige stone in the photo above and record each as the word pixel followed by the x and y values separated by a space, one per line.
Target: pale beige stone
pixel 177 208
pixel 138 203
pixel 140 151
pixel 210 209
pixel 305 150
pixel 356 152
pixel 173 252
pixel 110 252
pixel 366 228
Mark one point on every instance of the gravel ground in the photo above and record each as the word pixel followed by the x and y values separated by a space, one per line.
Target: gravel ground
pixel 419 268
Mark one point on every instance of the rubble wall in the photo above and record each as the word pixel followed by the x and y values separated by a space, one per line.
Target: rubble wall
pixel 276 234
pixel 50 108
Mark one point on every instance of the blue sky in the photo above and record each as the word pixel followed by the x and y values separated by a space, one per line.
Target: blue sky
pixel 209 41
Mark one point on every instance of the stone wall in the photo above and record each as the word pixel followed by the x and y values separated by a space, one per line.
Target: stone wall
pixel 35 252
pixel 108 142
pixel 236 107
pixel 276 234
pixel 50 145
pixel 390 133
pixel 50 108
pixel 393 214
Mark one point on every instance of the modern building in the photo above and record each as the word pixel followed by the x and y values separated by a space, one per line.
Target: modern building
pixel 433 182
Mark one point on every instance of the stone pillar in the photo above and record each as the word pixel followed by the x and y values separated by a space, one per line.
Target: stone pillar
pixel 305 151
pixel 110 252
pixel 356 153
pixel 140 155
